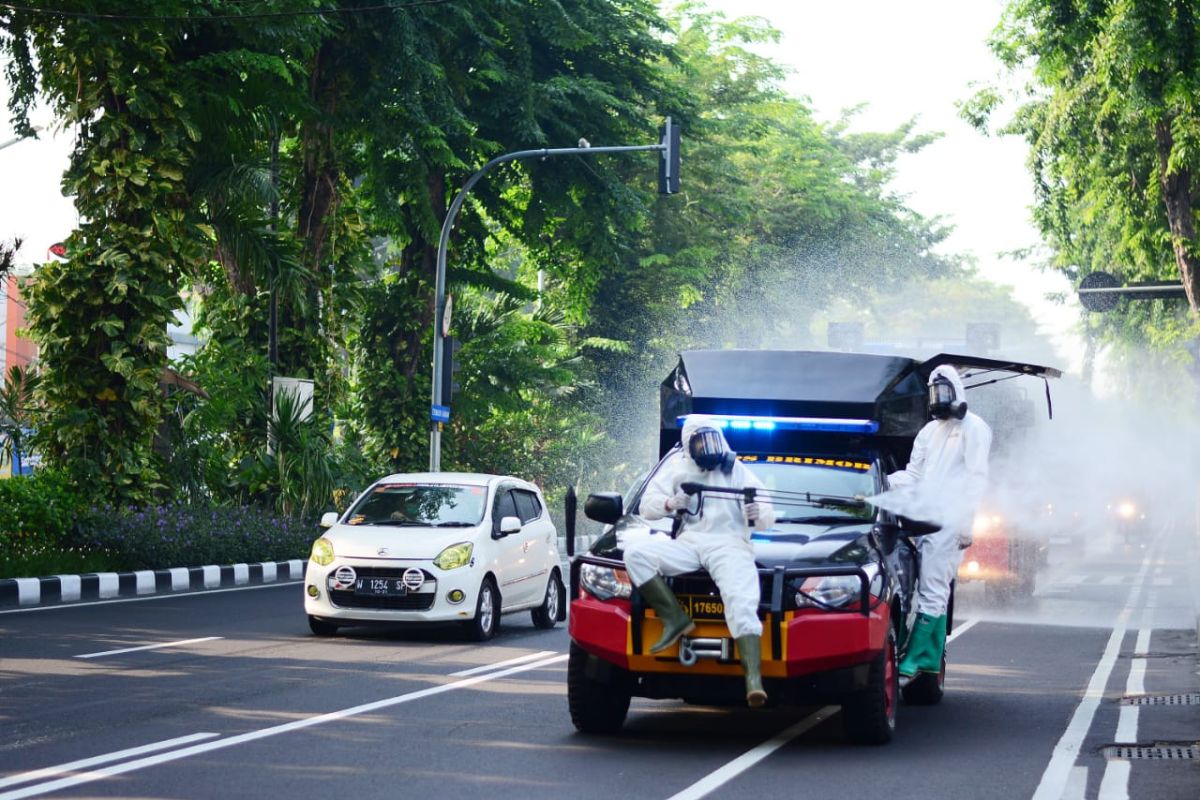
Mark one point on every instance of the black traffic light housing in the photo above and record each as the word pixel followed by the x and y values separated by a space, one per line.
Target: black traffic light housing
pixel 668 161
pixel 450 368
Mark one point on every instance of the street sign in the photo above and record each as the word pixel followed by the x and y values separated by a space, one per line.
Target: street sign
pixel 1098 301
pixel 439 413
pixel 446 315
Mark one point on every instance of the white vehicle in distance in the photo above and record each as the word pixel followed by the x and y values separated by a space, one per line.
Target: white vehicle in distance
pixel 437 547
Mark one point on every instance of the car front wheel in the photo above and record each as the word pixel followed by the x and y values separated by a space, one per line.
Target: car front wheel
pixel 320 627
pixel 870 716
pixel 598 702
pixel 487 612
pixel 545 616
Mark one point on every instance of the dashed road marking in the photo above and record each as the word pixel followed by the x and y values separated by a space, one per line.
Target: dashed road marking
pixel 158 646
pixel 501 664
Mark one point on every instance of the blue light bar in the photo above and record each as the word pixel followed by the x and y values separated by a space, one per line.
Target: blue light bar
pixel 738 422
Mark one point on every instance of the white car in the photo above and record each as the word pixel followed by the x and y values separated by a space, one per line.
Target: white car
pixel 437 547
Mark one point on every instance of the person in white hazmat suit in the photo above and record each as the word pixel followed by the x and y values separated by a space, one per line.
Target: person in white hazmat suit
pixel 948 470
pixel 715 536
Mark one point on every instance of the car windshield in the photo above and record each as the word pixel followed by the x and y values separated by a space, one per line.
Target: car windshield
pixel 819 476
pixel 420 505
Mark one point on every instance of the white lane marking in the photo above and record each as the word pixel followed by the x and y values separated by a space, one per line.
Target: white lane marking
pixel 150 647
pixel 501 664
pixel 1115 784
pixel 1111 580
pixel 1077 785
pixel 1164 581
pixel 1073 579
pixel 961 629
pixel 287 727
pixel 745 761
pixel 167 596
pixel 1062 760
pixel 83 763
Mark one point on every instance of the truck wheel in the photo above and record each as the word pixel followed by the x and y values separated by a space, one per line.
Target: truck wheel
pixel 545 616
pixel 870 716
pixel 596 706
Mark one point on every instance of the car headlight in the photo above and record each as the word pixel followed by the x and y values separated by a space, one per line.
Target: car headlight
pixel 322 552
pixel 454 556
pixel 605 583
pixel 837 590
pixel 1126 510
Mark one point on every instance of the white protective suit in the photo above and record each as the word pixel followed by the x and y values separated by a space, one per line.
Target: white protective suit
pixel 949 469
pixel 718 540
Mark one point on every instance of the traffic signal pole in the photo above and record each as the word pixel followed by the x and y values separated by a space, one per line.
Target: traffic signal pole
pixel 669 184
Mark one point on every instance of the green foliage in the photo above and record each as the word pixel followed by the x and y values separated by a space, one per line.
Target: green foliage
pixel 1112 123
pixel 37 514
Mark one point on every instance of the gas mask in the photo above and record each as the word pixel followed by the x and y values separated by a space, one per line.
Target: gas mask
pixel 944 402
pixel 707 448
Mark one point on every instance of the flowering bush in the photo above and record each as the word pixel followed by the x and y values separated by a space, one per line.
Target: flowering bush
pixel 156 537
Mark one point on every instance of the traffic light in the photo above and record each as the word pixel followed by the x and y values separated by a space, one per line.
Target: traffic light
pixel 450 366
pixel 668 161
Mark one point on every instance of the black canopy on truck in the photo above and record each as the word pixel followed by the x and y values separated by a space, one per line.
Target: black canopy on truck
pixel 887 390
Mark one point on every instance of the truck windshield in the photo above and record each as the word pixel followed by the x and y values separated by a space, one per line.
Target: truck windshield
pixel 819 477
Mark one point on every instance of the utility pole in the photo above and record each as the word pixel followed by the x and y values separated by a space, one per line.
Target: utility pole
pixel 439 412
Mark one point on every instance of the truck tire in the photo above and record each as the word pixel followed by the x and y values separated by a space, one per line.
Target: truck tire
pixel 596 706
pixel 870 716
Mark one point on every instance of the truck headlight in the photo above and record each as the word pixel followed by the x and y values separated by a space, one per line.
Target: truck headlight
pixel 837 591
pixel 322 552
pixel 1126 510
pixel 605 583
pixel 454 556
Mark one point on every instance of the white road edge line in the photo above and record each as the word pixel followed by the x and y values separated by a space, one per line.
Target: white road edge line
pixel 1058 771
pixel 961 629
pixel 1115 783
pixel 150 647
pixel 84 763
pixel 745 761
pixel 164 596
pixel 501 664
pixel 287 727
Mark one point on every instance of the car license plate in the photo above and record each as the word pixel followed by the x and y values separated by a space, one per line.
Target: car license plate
pixel 703 606
pixel 380 587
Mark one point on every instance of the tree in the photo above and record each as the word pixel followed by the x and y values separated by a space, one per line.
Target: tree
pixel 1114 131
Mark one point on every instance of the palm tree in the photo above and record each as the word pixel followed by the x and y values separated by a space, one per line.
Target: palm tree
pixel 16 407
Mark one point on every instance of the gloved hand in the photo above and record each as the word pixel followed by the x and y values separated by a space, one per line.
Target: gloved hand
pixel 965 540
pixel 679 502
pixel 751 511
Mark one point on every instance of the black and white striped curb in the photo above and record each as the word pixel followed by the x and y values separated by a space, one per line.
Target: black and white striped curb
pixel 22 592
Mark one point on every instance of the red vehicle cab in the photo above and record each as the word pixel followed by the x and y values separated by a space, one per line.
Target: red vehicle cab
pixel 838 577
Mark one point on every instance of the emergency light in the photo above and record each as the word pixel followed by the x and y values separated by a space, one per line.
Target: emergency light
pixel 767 423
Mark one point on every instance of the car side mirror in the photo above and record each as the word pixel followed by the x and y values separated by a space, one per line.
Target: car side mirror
pixel 606 507
pixel 917 527
pixel 509 525
pixel 328 519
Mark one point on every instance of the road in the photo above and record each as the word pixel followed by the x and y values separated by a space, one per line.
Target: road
pixel 226 694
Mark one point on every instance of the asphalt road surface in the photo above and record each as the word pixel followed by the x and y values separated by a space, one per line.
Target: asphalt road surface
pixel 227 694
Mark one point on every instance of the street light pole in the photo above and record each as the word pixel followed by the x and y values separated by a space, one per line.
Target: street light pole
pixel 439 413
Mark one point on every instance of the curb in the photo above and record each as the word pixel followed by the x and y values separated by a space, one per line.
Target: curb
pixel 64 589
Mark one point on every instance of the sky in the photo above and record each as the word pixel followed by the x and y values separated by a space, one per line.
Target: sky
pixel 901 59
pixel 917 59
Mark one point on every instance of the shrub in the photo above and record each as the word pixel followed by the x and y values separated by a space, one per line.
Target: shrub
pixel 157 537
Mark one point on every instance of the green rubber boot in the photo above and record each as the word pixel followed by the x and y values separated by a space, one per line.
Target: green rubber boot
pixel 926 643
pixel 674 619
pixel 750 652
